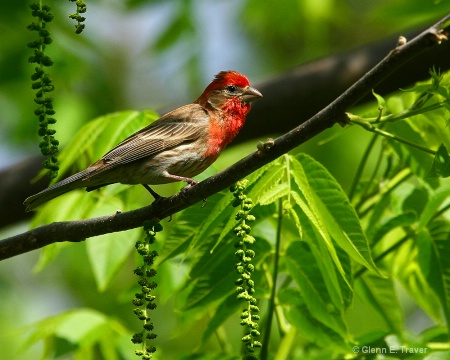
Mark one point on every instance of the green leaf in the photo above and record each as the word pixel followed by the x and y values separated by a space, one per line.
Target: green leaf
pixel 318 231
pixel 330 344
pixel 418 88
pixel 213 274
pixel 81 327
pixel 275 192
pixel 432 127
pixel 107 253
pixel 263 185
pixel 435 201
pixel 111 251
pixel 177 241
pixel 438 275
pixel 441 163
pixel 226 308
pixel 382 199
pixel 416 159
pixel 332 210
pixel 268 187
pixel 211 287
pixel 347 233
pixel 413 197
pixel 380 100
pixel 388 224
pixel 221 212
pixel 188 222
pixel 347 293
pixel 437 355
pixel 295 216
pixel 380 294
pixel 226 228
pixel 208 356
pixel 309 326
pixel 303 268
pixel 327 264
pixel 408 269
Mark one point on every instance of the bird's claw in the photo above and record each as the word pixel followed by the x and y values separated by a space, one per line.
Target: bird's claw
pixel 191 183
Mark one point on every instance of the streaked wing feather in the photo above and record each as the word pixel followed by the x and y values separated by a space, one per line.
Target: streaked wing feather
pixel 140 149
pixel 177 127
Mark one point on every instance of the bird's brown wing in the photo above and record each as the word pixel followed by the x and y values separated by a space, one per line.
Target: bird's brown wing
pixel 183 125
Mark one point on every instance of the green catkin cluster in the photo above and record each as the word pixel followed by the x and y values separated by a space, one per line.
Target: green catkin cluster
pixel 245 286
pixel 81 9
pixel 42 83
pixel 145 301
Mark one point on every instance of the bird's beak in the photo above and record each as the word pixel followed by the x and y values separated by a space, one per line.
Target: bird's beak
pixel 250 94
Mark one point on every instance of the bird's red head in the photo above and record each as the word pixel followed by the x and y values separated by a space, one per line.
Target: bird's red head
pixel 225 78
pixel 228 87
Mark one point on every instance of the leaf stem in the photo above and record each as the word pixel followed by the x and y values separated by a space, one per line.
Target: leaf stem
pixel 360 169
pixel 367 203
pixel 265 348
pixel 286 344
pixel 384 254
pixel 369 127
pixel 222 339
pixel 400 116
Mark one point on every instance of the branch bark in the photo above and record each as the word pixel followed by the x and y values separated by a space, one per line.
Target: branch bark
pixel 335 112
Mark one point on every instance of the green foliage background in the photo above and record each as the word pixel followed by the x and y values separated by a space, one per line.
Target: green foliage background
pixel 363 264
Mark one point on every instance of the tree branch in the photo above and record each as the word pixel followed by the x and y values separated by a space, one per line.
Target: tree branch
pixel 307 84
pixel 335 112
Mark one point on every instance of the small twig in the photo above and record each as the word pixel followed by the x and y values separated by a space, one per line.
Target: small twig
pixel 369 127
pixel 401 116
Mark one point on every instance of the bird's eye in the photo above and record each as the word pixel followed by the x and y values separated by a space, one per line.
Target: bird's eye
pixel 231 89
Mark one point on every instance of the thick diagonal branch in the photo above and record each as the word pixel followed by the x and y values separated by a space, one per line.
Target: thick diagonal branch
pixel 335 112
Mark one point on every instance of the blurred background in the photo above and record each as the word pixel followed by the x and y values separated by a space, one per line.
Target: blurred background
pixel 158 55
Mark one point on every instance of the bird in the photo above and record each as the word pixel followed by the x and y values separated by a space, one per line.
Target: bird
pixel 178 146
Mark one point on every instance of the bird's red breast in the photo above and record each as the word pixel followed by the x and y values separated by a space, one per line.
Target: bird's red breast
pixel 225 126
pixel 226 111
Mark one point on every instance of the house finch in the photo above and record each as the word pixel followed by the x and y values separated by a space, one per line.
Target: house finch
pixel 176 147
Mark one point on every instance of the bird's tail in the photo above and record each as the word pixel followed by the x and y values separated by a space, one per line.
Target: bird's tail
pixel 66 185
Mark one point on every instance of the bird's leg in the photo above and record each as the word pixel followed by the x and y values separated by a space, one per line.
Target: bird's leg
pixel 190 182
pixel 187 180
pixel 153 192
pixel 156 196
